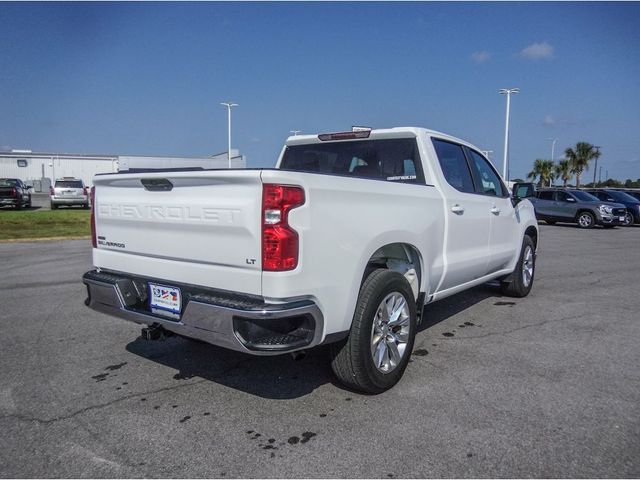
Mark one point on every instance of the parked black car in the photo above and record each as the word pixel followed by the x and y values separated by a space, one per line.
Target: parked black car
pixel 576 206
pixel 14 193
pixel 631 203
pixel 633 193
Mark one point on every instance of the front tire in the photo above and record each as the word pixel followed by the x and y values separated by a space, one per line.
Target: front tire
pixel 586 220
pixel 375 355
pixel 628 219
pixel 522 277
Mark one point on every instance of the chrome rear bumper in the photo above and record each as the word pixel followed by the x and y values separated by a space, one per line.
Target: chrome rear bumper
pixel 237 322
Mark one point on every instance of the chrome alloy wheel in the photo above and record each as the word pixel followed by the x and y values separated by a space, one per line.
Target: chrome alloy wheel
pixel 527 266
pixel 585 220
pixel 390 332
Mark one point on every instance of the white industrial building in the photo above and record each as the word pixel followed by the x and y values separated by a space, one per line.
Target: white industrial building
pixel 40 169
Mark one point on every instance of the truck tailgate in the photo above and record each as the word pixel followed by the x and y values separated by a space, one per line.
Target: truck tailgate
pixel 199 227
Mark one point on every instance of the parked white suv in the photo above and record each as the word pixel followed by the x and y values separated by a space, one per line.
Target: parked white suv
pixel 343 242
pixel 69 191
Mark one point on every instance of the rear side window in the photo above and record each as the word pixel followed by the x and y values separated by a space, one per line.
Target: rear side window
pixel 546 195
pixel 392 160
pixel 69 184
pixel 487 179
pixel 454 165
pixel 563 196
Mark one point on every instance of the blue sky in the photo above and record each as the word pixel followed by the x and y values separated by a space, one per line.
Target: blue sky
pixel 147 78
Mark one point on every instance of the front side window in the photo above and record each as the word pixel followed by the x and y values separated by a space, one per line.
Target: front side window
pixel 584 196
pixel 454 165
pixel 564 197
pixel 546 195
pixel 393 160
pixel 488 181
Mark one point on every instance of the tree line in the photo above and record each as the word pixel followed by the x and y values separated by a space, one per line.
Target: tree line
pixel 576 162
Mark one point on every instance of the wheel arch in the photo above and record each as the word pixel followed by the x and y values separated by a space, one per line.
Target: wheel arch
pixel 400 257
pixel 532 232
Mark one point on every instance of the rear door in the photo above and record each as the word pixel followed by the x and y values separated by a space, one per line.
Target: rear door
pixel 467 240
pixel 201 228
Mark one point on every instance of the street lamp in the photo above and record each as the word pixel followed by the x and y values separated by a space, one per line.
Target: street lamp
pixel 507 92
pixel 553 147
pixel 295 132
pixel 595 169
pixel 229 105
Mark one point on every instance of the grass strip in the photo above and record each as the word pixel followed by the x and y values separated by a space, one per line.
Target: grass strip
pixel 16 225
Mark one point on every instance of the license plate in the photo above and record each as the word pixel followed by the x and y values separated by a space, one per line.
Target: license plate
pixel 165 298
pixel 621 219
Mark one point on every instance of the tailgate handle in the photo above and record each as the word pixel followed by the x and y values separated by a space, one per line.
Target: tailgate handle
pixel 157 184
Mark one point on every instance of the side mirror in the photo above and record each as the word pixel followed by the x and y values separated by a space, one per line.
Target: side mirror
pixel 523 190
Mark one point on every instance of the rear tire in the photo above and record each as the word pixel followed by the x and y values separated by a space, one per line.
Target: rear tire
pixel 375 355
pixel 522 277
pixel 586 220
pixel 29 204
pixel 53 206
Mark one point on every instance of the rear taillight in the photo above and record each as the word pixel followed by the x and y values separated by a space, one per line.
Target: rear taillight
pixel 279 240
pixel 92 199
pixel 52 192
pixel 85 191
pixel 14 192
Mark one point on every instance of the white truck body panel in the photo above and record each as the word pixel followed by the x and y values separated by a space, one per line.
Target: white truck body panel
pixel 206 231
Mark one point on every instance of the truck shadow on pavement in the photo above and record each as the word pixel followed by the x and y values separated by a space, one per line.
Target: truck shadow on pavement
pixel 276 377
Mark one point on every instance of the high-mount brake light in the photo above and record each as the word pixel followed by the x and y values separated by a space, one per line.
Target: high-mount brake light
pixel 92 194
pixel 344 135
pixel 280 242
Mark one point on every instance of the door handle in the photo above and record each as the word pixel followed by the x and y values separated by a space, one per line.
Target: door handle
pixel 495 210
pixel 457 209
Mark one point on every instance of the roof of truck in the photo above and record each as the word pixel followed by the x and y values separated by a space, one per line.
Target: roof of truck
pixel 395 132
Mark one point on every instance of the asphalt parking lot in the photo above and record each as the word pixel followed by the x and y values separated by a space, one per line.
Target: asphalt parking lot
pixel 545 386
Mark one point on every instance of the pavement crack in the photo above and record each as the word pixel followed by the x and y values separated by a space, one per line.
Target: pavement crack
pixel 49 421
pixel 98 406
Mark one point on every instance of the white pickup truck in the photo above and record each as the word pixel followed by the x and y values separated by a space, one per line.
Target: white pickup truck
pixel 343 243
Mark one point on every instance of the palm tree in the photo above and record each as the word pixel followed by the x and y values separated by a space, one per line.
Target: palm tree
pixel 544 170
pixel 580 157
pixel 563 172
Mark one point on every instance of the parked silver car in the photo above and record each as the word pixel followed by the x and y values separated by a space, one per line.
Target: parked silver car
pixel 69 191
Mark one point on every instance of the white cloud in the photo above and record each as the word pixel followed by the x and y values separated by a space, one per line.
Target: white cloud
pixel 549 120
pixel 480 57
pixel 537 51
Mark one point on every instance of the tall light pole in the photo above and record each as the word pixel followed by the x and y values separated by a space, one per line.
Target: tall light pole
pixel 507 92
pixel 229 105
pixel 595 169
pixel 295 132
pixel 553 148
